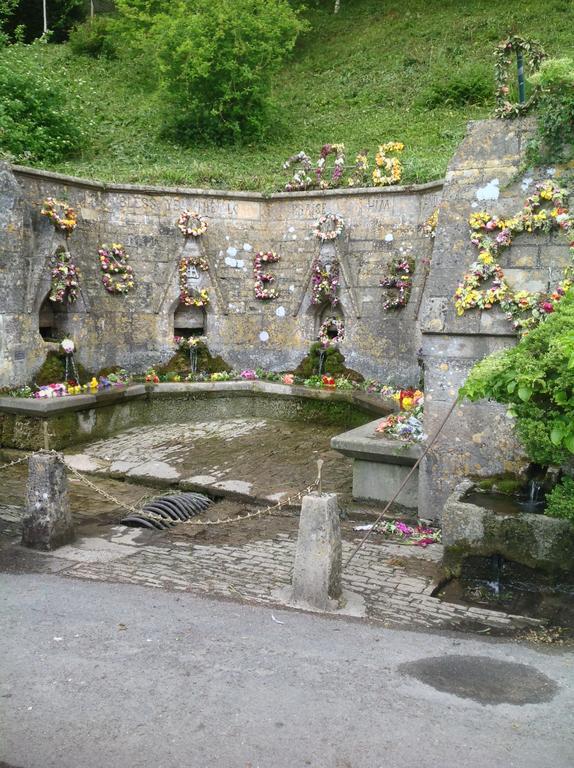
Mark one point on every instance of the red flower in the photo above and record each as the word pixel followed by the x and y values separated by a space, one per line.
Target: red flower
pixel 328 381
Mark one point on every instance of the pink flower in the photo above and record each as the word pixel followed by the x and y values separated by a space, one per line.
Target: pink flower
pixel 288 378
pixel 248 374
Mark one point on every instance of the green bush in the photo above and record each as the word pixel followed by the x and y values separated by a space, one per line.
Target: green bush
pixel 34 124
pixel 469 84
pixel 536 380
pixel 555 79
pixel 560 500
pixel 218 59
pixel 95 38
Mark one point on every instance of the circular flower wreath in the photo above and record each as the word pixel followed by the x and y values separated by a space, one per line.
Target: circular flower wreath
pixel 390 169
pixel 492 236
pixel 192 224
pixel 332 324
pixel 65 277
pixel 301 179
pixel 262 279
pixel 189 296
pixel 336 222
pixel 63 216
pixel 118 276
pixel 503 56
pixel 331 149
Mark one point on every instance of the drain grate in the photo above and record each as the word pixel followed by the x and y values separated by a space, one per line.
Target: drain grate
pixel 168 511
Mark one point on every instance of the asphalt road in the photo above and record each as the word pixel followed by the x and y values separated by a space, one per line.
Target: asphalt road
pixel 98 675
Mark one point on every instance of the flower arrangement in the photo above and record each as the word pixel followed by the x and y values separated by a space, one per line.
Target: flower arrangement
pixel 430 224
pixel 359 174
pixel 263 291
pixel 301 179
pixel 51 390
pixel 330 149
pixel 328 327
pixel 65 277
pixel 248 375
pixel 504 54
pixel 324 283
pixel 192 224
pixel 400 277
pixel 416 535
pixel 118 276
pixel 406 425
pixel 68 346
pixel 189 296
pixel 329 226
pixel 492 236
pixel 63 217
pixel 188 343
pixel 389 170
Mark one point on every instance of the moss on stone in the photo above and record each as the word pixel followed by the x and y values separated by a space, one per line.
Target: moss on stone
pixel 53 369
pixel 333 364
pixel 206 362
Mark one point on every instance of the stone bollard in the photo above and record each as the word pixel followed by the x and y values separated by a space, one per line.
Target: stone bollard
pixel 317 570
pixel 48 522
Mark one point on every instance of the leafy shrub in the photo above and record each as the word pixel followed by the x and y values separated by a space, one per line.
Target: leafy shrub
pixel 560 500
pixel 95 38
pixel 536 379
pixel 333 364
pixel 34 124
pixel 470 84
pixel 62 15
pixel 555 79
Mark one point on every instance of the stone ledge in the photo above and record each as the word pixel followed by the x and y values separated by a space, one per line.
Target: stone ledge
pixel 364 444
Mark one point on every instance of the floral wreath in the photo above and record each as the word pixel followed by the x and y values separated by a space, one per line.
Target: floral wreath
pixel 390 169
pixel 359 173
pixel 65 277
pixel 330 149
pixel 492 236
pixel 400 277
pixel 503 62
pixel 63 216
pixel 301 179
pixel 190 296
pixel 262 279
pixel 331 234
pixel 324 283
pixel 118 276
pixel 331 324
pixel 192 224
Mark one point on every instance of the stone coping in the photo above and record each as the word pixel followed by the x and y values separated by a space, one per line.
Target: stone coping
pixel 44 408
pixel 158 190
pixel 365 444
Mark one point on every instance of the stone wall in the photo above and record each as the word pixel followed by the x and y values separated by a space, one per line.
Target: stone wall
pixel 136 330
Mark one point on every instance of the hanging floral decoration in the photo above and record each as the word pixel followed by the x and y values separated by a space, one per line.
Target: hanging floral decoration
pixel 330 149
pixel 324 282
pixel 504 59
pixel 359 174
pixel 400 278
pixel 192 224
pixel 492 236
pixel 389 170
pixel 263 291
pixel 331 333
pixel 65 277
pixel 63 217
pixel 328 227
pixel 302 178
pixel 118 276
pixel 430 224
pixel 191 297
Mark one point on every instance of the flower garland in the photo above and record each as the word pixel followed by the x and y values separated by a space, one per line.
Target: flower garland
pixel 192 224
pixel 492 236
pixel 63 216
pixel 332 324
pixel 417 536
pixel 430 225
pixel 262 279
pixel 336 222
pixel 65 277
pixel 324 283
pixel 330 149
pixel 408 424
pixel 390 169
pixel 189 296
pixel 118 276
pixel 400 277
pixel 359 173
pixel 301 179
pixel 503 60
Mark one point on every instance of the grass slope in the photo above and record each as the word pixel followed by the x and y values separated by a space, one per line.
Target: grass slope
pixel 412 71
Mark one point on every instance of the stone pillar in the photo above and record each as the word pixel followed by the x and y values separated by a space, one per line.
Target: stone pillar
pixel 48 522
pixel 317 570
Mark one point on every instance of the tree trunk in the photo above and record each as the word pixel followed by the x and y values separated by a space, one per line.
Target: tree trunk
pixel 337 6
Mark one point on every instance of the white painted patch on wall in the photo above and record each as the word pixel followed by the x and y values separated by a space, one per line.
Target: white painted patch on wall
pixel 291 229
pixel 235 263
pixel 264 336
pixel 291 288
pixel 526 182
pixel 490 191
pixel 247 247
pixel 280 311
pixel 389 238
pixel 231 251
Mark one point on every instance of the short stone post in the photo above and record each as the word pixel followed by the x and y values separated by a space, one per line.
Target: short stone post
pixel 317 570
pixel 48 522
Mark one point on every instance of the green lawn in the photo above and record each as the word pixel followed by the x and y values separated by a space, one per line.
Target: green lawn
pixel 362 77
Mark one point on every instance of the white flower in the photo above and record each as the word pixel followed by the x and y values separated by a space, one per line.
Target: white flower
pixel 68 346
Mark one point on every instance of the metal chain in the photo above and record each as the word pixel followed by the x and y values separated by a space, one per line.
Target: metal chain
pixel 101 491
pixel 16 461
